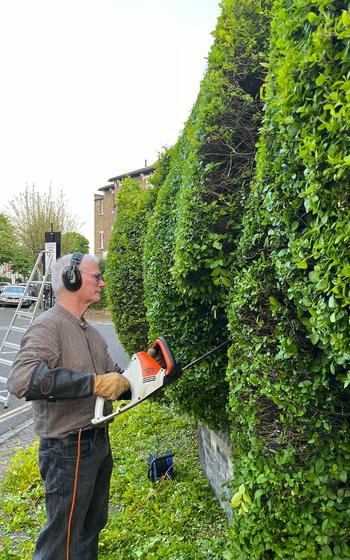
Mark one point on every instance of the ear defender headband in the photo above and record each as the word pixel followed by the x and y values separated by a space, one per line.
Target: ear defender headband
pixel 71 275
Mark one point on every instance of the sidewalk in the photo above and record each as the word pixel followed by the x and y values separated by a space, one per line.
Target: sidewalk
pixel 20 438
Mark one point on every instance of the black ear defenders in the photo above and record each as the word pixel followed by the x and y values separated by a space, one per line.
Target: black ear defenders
pixel 71 275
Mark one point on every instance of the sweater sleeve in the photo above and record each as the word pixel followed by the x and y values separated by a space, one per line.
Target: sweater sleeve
pixel 39 344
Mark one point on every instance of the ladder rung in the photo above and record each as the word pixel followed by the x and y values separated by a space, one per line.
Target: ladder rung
pixel 3 399
pixel 3 380
pixel 24 313
pixel 11 345
pixel 6 362
pixel 18 329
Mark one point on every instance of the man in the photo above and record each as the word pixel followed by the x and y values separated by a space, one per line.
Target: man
pixel 62 365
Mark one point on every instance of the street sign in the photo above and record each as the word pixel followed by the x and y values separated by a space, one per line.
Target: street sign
pixel 52 246
pixel 50 249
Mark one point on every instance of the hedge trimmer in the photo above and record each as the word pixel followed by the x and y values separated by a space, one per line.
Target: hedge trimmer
pixel 146 377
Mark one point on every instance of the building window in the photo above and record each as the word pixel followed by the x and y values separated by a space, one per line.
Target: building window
pixel 101 235
pixel 145 180
pixel 101 207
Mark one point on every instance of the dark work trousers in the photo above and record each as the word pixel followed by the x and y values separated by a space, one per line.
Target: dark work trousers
pixel 57 462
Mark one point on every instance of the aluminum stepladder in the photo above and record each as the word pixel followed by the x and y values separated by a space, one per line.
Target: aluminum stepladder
pixel 11 342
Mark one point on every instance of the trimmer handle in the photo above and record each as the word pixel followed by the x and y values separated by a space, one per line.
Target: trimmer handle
pixel 172 367
pixel 99 406
pixel 146 377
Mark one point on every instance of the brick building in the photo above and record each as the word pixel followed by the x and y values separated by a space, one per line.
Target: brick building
pixel 105 207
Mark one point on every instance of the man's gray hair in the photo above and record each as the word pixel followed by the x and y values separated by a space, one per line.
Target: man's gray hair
pixel 60 265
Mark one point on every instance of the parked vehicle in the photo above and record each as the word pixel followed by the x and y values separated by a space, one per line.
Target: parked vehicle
pixel 3 285
pixel 11 296
pixel 32 289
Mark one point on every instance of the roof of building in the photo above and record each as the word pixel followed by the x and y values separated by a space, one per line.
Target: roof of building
pixel 143 171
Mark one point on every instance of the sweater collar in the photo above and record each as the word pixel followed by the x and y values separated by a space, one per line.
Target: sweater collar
pixel 82 323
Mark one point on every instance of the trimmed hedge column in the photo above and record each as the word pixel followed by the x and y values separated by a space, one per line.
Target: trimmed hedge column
pixel 289 309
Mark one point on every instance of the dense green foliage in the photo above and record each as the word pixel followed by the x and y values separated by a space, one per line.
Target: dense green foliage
pixel 217 161
pixel 124 275
pixel 7 239
pixel 289 307
pixel 162 521
pixel 74 242
pixel 254 245
pixel 11 251
pixel 199 207
pixel 22 262
pixel 187 324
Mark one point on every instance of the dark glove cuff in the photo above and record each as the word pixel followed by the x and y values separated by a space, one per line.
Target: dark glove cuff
pixel 59 383
pixel 126 396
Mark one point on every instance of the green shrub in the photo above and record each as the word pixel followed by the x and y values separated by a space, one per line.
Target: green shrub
pixel 288 307
pixel 192 235
pixel 218 161
pixel 124 277
pixel 189 326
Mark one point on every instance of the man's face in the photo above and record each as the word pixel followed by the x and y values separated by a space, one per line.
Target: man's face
pixel 92 283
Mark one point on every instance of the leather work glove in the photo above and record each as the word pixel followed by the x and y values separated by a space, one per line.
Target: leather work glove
pixel 110 385
pixel 157 356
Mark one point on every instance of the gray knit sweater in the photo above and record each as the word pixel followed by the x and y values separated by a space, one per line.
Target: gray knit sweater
pixel 59 339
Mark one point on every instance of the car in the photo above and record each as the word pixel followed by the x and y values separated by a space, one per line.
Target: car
pixel 3 285
pixel 11 296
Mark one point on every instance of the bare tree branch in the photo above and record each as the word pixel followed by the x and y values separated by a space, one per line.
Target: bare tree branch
pixel 32 214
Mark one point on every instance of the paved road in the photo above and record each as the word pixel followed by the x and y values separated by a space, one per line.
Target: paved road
pixel 18 413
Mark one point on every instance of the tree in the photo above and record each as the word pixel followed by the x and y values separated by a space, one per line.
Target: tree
pixel 21 261
pixel 11 251
pixel 74 242
pixel 33 213
pixel 7 237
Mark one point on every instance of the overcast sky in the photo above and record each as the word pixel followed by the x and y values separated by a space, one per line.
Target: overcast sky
pixel 91 89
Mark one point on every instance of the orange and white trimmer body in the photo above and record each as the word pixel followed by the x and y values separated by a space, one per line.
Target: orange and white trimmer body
pixel 145 376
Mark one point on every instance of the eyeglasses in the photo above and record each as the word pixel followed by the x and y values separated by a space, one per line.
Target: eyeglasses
pixel 98 277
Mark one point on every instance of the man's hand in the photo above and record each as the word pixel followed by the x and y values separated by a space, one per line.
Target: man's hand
pixel 157 356
pixel 110 385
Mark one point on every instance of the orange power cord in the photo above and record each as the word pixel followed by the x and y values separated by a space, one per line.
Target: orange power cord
pixel 74 495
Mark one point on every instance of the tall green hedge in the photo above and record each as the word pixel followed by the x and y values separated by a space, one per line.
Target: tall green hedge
pixel 187 324
pixel 198 212
pixel 289 312
pixel 124 276
pixel 219 162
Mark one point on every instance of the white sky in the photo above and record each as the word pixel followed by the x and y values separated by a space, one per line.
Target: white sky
pixel 91 89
